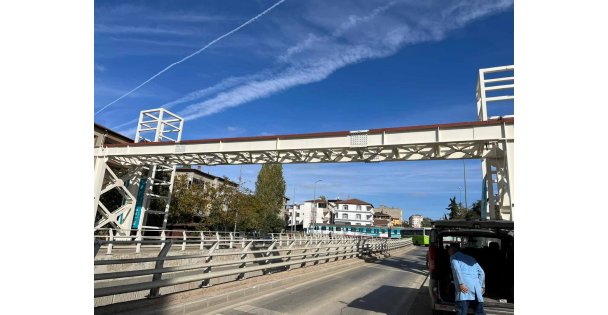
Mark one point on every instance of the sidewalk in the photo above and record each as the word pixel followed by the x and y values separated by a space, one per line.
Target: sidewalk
pixel 422 301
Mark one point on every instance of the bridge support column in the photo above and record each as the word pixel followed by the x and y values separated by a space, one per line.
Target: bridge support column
pixel 498 180
pixel 118 210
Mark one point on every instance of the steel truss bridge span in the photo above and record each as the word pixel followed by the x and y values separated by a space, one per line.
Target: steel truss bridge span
pixel 143 172
pixel 467 140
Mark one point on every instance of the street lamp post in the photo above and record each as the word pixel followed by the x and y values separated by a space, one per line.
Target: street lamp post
pixel 293 211
pixel 236 211
pixel 466 203
pixel 460 191
pixel 314 202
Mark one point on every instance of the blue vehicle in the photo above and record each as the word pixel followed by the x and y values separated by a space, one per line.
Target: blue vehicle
pixel 395 232
pixel 349 230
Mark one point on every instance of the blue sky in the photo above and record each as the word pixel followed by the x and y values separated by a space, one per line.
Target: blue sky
pixel 309 66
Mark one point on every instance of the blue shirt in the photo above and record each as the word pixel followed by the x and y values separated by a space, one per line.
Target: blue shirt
pixel 467 271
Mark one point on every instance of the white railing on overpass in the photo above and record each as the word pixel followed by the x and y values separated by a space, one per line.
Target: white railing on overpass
pixel 135 240
pixel 254 255
pixel 494 85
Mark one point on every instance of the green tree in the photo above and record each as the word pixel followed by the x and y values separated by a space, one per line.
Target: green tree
pixel 456 210
pixel 269 192
pixel 475 212
pixel 246 205
pixel 220 202
pixel 188 202
pixel 270 187
pixel 426 222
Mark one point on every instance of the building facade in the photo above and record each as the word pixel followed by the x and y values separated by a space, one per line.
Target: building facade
pixel 395 213
pixel 103 136
pixel 416 221
pixel 382 219
pixel 352 212
pixel 309 213
pixel 198 177
pixel 313 212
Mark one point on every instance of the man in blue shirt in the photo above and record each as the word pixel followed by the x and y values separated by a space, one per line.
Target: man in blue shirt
pixel 469 280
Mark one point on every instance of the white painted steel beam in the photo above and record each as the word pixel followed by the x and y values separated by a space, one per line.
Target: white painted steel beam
pixel 435 142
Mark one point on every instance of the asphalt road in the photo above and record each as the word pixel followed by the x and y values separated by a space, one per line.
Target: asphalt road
pixel 388 286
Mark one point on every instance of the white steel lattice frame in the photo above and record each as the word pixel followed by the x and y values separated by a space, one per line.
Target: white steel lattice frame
pixel 160 122
pixel 165 126
pixel 494 86
pixel 470 140
pixel 497 171
pixel 106 180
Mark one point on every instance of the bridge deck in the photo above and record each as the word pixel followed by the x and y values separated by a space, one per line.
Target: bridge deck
pixel 440 141
pixel 389 286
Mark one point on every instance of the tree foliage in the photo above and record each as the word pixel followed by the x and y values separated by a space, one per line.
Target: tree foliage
pixel 270 187
pixel 218 207
pixel 269 192
pixel 426 222
pixel 187 202
pixel 456 210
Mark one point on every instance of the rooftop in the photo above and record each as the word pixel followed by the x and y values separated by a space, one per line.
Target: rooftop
pixel 203 174
pixel 112 133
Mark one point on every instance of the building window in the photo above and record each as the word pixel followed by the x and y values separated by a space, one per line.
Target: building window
pixel 358 217
pixel 358 207
pixel 344 207
pixel 344 216
pixel 297 214
pixel 369 208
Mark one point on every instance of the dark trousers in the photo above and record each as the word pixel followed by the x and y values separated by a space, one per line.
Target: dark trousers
pixel 463 306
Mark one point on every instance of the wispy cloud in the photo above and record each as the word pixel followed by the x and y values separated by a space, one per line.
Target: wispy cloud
pixel 396 183
pixel 376 33
pixel 154 42
pixel 109 91
pixel 253 19
pixel 140 30
pixel 235 131
pixel 100 68
pixel 192 18
pixel 221 86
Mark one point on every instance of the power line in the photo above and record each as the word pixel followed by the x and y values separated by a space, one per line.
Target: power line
pixel 191 55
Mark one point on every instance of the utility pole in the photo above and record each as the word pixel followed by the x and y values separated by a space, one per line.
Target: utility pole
pixel 236 211
pixel 293 210
pixel 466 203
pixel 314 203
pixel 460 191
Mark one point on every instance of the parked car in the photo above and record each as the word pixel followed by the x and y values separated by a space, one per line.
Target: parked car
pixel 491 244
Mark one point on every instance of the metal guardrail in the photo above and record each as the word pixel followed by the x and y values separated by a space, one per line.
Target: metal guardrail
pixel 264 255
pixel 135 240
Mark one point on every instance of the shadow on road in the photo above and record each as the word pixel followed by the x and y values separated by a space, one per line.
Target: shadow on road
pixel 386 300
pixel 410 264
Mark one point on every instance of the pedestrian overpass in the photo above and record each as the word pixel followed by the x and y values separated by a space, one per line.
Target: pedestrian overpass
pixel 143 171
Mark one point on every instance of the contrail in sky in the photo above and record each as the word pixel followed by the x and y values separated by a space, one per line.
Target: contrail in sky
pixel 191 55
